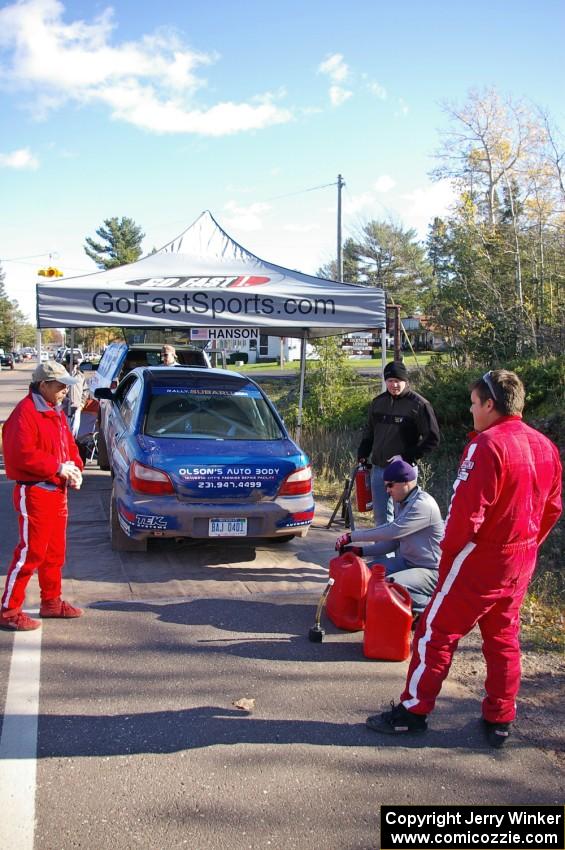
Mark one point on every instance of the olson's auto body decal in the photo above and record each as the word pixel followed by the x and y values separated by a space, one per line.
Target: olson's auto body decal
pixel 231 477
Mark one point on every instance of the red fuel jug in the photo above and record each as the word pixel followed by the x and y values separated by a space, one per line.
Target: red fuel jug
pixel 346 600
pixel 363 493
pixel 388 619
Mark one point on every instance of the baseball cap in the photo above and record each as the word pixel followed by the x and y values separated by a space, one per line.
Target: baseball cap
pixel 400 472
pixel 53 371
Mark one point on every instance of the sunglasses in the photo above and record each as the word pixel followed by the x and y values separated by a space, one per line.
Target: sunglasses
pixel 489 383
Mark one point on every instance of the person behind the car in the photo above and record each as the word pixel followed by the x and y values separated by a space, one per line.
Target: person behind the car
pixel 169 356
pixel 400 422
pixel 42 459
pixel 413 536
pixel 77 395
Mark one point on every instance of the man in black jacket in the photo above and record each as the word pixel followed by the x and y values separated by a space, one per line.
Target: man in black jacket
pixel 401 423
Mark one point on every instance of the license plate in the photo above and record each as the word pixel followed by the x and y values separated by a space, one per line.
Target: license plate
pixel 227 528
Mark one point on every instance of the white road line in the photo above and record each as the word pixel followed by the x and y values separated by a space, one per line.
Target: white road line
pixel 18 744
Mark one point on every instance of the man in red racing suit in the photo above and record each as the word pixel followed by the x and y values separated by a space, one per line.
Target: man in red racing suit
pixel 506 500
pixel 42 457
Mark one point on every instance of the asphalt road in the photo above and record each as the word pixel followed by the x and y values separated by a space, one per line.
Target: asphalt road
pixel 137 742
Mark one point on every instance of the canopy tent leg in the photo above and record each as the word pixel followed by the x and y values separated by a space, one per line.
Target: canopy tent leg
pixel 383 348
pixel 301 389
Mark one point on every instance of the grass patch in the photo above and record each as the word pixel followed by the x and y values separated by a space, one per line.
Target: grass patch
pixel 421 359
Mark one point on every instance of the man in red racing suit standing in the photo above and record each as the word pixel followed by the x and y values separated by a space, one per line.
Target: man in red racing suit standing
pixel 506 500
pixel 42 457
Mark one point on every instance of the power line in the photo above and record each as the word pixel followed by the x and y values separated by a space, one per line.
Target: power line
pixel 300 192
pixel 30 257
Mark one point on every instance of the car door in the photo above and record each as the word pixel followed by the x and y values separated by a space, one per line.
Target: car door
pixel 120 423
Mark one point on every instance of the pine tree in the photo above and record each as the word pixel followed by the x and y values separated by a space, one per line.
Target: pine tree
pixel 123 243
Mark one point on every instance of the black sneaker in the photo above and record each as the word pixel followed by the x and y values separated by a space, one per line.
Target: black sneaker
pixel 497 733
pixel 397 721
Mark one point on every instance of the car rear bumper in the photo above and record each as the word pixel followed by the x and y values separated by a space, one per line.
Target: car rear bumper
pixel 142 517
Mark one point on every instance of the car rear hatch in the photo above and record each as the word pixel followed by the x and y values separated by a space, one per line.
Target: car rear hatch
pixel 226 471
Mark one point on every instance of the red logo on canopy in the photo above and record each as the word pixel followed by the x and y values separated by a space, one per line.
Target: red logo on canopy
pixel 248 280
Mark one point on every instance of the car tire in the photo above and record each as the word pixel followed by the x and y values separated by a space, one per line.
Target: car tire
pixel 103 459
pixel 119 540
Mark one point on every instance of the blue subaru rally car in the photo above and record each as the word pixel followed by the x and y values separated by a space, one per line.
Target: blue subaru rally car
pixel 200 453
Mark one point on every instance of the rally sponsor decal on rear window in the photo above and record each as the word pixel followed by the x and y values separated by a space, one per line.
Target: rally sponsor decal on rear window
pixel 245 392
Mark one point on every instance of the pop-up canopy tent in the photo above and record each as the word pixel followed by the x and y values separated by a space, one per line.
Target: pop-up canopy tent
pixel 203 278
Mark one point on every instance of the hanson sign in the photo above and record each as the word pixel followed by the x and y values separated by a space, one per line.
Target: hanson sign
pixel 224 333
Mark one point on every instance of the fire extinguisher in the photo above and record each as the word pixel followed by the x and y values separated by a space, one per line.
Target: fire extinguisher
pixel 363 494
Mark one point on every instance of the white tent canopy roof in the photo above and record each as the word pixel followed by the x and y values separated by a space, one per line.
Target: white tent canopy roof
pixel 203 278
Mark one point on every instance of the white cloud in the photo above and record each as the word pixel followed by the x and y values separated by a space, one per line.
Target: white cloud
pixel 150 83
pixel 378 90
pixel 414 209
pixel 421 206
pixel 384 183
pixel 335 68
pixel 245 218
pixel 339 95
pixel 21 159
pixel 357 203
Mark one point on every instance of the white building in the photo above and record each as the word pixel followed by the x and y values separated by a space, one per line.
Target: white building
pixel 250 341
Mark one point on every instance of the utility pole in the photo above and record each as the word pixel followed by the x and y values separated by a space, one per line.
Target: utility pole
pixel 340 185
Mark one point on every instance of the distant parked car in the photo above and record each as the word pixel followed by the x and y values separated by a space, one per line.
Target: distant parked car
pixel 77 354
pixel 200 453
pixel 6 361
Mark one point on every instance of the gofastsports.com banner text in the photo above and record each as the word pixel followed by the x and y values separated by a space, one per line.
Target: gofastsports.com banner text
pixel 473 827
pixel 210 305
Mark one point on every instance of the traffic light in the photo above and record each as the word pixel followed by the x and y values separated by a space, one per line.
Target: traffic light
pixel 51 271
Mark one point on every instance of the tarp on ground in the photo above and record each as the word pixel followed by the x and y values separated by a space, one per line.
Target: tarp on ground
pixel 204 278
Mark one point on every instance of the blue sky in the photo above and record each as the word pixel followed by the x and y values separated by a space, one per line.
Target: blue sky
pixel 159 111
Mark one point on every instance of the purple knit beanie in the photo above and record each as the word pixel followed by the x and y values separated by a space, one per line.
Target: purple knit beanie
pixel 400 472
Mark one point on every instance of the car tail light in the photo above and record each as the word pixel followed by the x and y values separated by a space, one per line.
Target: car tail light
pixel 146 479
pixel 298 483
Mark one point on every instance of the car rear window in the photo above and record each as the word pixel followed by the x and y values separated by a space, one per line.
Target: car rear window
pixel 136 358
pixel 208 411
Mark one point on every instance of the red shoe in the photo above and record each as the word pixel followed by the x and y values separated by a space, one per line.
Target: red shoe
pixel 19 622
pixel 58 609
